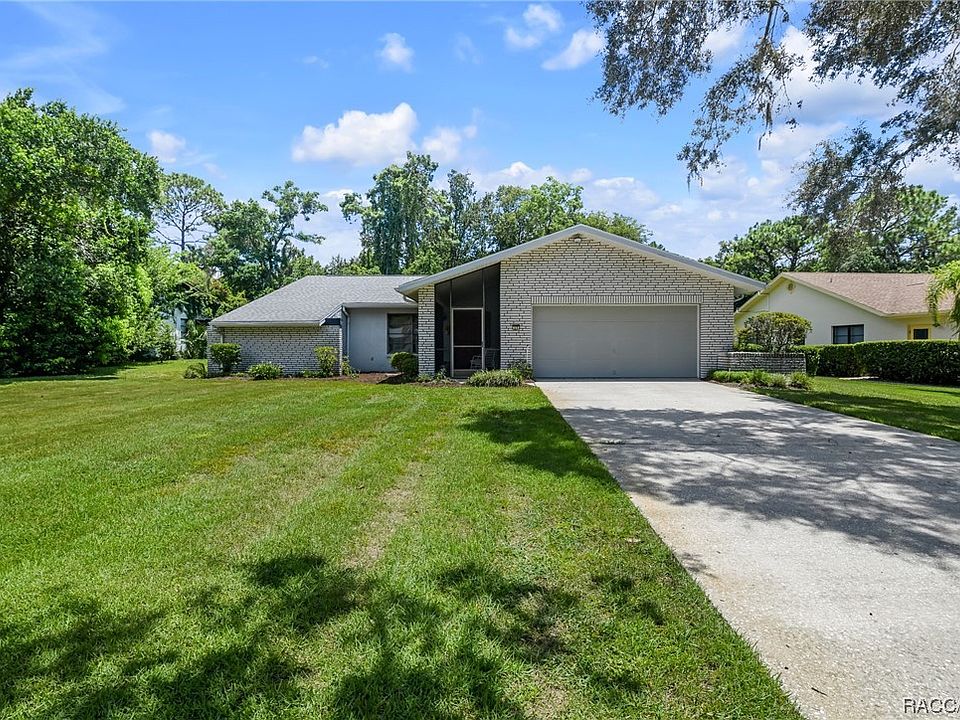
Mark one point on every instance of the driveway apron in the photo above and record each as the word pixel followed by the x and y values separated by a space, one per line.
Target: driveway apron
pixel 830 543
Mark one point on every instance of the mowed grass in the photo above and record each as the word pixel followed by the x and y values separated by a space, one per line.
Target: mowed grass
pixel 333 549
pixel 930 409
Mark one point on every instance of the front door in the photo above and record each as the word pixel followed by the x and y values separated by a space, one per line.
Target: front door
pixel 467 338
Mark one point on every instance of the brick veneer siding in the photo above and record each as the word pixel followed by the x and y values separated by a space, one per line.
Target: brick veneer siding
pixel 786 363
pixel 592 272
pixel 426 345
pixel 289 347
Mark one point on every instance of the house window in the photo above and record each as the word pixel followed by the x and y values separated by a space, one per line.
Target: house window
pixel 920 333
pixel 401 333
pixel 845 334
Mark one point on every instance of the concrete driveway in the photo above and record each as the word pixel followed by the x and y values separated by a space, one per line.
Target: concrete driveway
pixel 831 543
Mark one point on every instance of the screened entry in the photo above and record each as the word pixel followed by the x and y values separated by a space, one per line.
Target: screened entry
pixel 468 322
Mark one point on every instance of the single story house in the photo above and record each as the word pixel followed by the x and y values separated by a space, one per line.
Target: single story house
pixel 576 303
pixel 852 307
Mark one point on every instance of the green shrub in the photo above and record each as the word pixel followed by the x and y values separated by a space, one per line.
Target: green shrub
pixel 841 361
pixel 774 332
pixel 495 378
pixel 812 355
pixel 195 370
pixel 226 355
pixel 347 369
pixel 760 378
pixel 164 343
pixel 727 376
pixel 523 369
pixel 265 371
pixel 777 380
pixel 194 341
pixel 326 360
pixel 936 362
pixel 406 364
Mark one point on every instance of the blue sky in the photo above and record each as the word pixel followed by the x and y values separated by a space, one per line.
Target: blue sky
pixel 247 95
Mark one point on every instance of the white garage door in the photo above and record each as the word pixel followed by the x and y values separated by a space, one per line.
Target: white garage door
pixel 607 341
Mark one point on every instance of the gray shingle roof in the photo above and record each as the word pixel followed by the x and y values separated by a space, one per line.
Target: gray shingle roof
pixel 311 299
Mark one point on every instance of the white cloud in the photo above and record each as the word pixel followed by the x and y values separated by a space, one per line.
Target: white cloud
pixel 541 15
pixel 395 52
pixel 583 47
pixel 793 143
pixel 932 171
pixel 166 146
pixel 214 170
pixel 444 143
pixel 465 50
pixel 315 60
pixel 618 194
pixel 360 138
pixel 723 40
pixel 539 21
pixel 66 67
pixel 843 97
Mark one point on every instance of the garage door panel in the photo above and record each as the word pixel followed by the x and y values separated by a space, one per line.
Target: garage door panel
pixel 615 341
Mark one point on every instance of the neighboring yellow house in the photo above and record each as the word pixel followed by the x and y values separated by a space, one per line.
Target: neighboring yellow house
pixel 852 307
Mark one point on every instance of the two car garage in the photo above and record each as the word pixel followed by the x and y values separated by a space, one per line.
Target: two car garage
pixel 615 341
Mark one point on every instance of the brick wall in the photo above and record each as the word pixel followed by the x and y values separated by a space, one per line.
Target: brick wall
pixel 426 340
pixel 289 347
pixel 591 272
pixel 786 363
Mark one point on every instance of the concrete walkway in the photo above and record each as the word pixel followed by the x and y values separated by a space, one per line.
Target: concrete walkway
pixel 831 543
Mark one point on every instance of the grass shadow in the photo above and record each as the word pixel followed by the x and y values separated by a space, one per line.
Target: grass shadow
pixel 420 655
pixel 539 438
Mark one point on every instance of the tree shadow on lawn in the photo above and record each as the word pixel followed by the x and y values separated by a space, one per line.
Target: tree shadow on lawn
pixel 101 373
pixel 890 488
pixel 428 655
pixel 921 416
pixel 540 439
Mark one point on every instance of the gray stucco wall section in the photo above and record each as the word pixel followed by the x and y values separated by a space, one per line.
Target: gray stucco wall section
pixel 588 271
pixel 289 347
pixel 367 340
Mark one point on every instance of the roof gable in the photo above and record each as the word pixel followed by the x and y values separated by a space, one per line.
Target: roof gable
pixel 883 294
pixel 740 282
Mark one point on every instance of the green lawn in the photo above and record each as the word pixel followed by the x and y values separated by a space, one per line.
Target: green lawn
pixel 183 549
pixel 928 409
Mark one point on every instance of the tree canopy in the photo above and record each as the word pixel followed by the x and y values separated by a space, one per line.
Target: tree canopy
pixel 188 206
pixel 253 247
pixel 920 233
pixel 654 51
pixel 407 225
pixel 75 218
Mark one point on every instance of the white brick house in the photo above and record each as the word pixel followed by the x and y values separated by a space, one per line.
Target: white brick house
pixel 576 303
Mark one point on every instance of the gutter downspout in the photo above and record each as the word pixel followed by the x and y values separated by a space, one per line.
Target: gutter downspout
pixel 345 333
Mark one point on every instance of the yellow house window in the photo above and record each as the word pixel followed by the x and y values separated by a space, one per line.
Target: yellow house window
pixel 918 332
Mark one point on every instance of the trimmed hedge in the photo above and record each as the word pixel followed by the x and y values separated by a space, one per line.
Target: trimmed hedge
pixel 936 362
pixel 932 362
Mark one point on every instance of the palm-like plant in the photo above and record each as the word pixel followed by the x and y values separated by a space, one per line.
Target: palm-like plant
pixel 946 282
